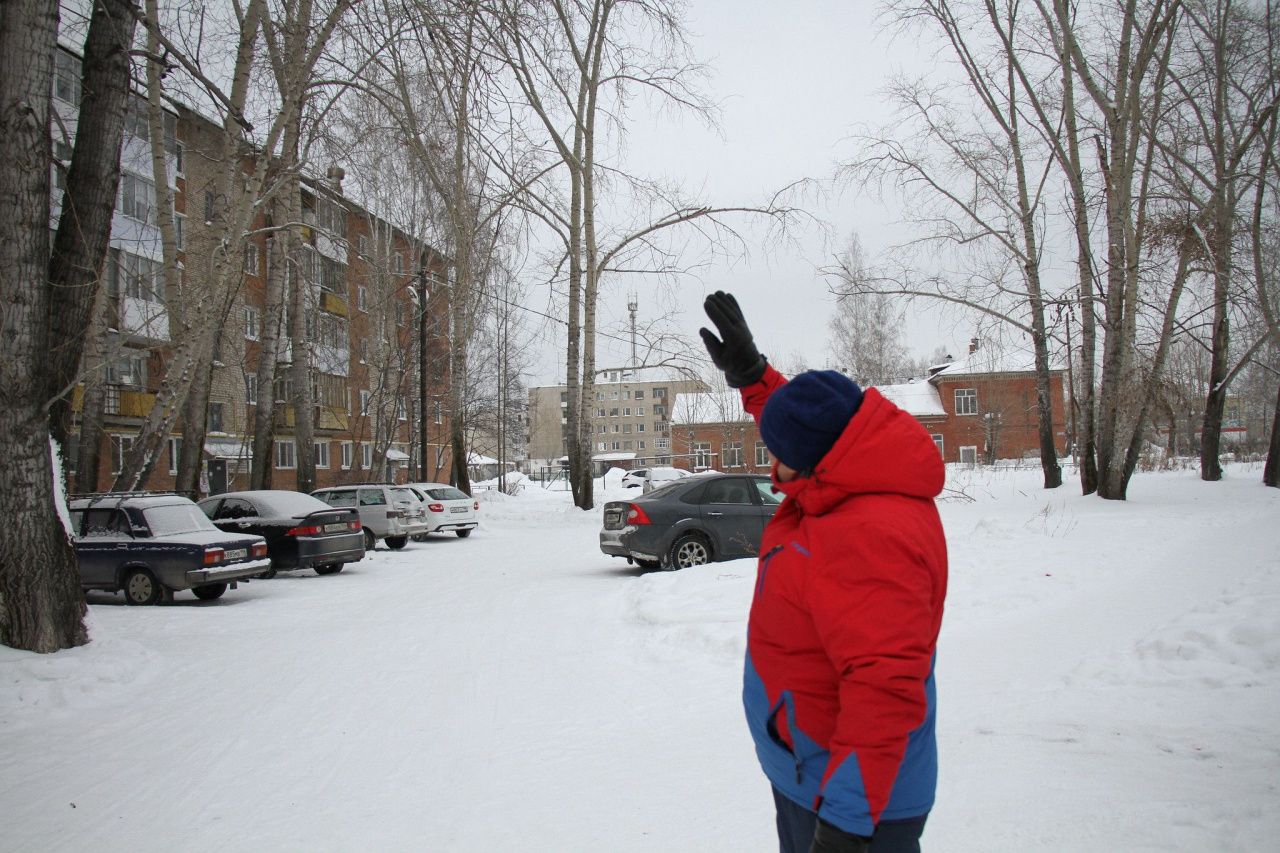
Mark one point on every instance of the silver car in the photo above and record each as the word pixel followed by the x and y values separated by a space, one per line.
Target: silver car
pixel 388 512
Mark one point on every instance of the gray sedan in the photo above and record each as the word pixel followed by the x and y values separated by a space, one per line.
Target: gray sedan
pixel 689 522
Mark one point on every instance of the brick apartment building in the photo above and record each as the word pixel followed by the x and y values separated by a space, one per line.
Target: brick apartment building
pixel 978 409
pixel 363 275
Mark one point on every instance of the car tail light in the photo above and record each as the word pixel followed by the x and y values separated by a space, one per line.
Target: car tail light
pixel 354 525
pixel 436 507
pixel 636 515
pixel 213 556
pixel 305 530
pixel 259 550
pixel 476 505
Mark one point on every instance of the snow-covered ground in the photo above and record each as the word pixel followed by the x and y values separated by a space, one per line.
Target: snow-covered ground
pixel 1108 680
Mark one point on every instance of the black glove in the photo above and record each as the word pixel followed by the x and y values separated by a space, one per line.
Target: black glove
pixel 833 839
pixel 734 352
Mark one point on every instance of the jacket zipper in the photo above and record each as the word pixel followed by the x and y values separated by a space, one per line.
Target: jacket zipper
pixel 764 567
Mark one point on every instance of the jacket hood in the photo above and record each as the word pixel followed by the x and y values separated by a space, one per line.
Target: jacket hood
pixel 883 450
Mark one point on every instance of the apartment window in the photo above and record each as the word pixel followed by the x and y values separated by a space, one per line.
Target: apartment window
pixel 639 411
pixel 966 401
pixel 400 412
pixel 321 454
pixel 399 263
pixel 639 445
pixel 626 412
pixel 613 395
pixel 208 207
pixel 251 259
pixel 733 454
pixel 602 445
pixel 251 389
pixel 134 276
pixel 613 413
pixel 702 454
pixel 438 412
pixel 175 453
pixel 364 402
pixel 128 370
pixel 137 198
pixel 179 232
pixel 286 453
pixel 66 78
pixel 617 427
pixel 662 444
pixel 617 445
pixel 252 323
pixel 626 394
pixel 345 454
pixel 969 455
pixel 762 455
pixel 639 394
pixel 938 442
pixel 639 427
pixel 659 411
pixel 215 417
pixel 599 413
pixel 120 447
pixel 366 456
pixel 600 429
pixel 659 393
pixel 362 298
pixel 362 245
pixel 626 428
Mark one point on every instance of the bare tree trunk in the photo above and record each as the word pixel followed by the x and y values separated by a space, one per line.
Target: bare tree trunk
pixel 84 228
pixel 89 446
pixel 278 272
pixel 41 606
pixel 1271 472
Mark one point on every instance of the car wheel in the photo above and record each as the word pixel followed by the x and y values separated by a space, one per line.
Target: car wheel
pixel 209 591
pixel 330 569
pixel 395 543
pixel 691 549
pixel 369 541
pixel 462 534
pixel 141 587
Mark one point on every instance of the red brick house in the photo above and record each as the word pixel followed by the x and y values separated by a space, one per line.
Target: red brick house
pixel 978 409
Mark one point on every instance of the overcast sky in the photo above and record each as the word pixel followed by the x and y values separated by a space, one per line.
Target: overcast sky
pixel 793 81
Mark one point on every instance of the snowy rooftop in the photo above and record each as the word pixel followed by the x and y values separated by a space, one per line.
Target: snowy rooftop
pixel 915 398
pixel 991 359
pixel 723 406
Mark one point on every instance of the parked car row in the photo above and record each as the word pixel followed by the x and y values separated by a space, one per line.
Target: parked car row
pixel 690 521
pixel 149 545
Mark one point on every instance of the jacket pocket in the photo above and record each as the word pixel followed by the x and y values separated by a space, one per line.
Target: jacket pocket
pixel 760 576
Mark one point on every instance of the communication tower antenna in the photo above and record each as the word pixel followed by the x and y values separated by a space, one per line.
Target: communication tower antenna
pixel 633 305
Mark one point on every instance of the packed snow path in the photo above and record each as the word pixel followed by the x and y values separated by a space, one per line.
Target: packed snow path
pixel 1107 677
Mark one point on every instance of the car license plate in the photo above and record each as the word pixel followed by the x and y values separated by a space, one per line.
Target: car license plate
pixel 334 528
pixel 458 509
pixel 237 554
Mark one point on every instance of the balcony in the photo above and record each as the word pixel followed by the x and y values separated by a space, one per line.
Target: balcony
pixel 128 402
pixel 325 417
pixel 333 303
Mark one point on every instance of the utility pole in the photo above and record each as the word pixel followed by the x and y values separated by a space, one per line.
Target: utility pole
pixel 422 367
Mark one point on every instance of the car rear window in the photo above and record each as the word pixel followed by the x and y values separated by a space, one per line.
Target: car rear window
pixel 449 494
pixel 177 518
pixel 287 504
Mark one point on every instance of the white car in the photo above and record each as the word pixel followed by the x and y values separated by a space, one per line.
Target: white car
pixel 651 478
pixel 447 509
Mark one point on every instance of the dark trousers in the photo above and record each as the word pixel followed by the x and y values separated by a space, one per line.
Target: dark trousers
pixel 796 826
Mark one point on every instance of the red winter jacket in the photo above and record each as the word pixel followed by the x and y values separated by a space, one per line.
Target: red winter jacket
pixel 839 688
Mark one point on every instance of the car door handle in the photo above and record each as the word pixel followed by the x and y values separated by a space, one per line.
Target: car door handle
pixel 715 514
pixel 122 546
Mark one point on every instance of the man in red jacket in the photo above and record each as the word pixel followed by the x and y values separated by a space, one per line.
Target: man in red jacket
pixel 839 688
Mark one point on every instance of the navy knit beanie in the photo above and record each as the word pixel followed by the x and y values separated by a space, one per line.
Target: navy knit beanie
pixel 803 418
